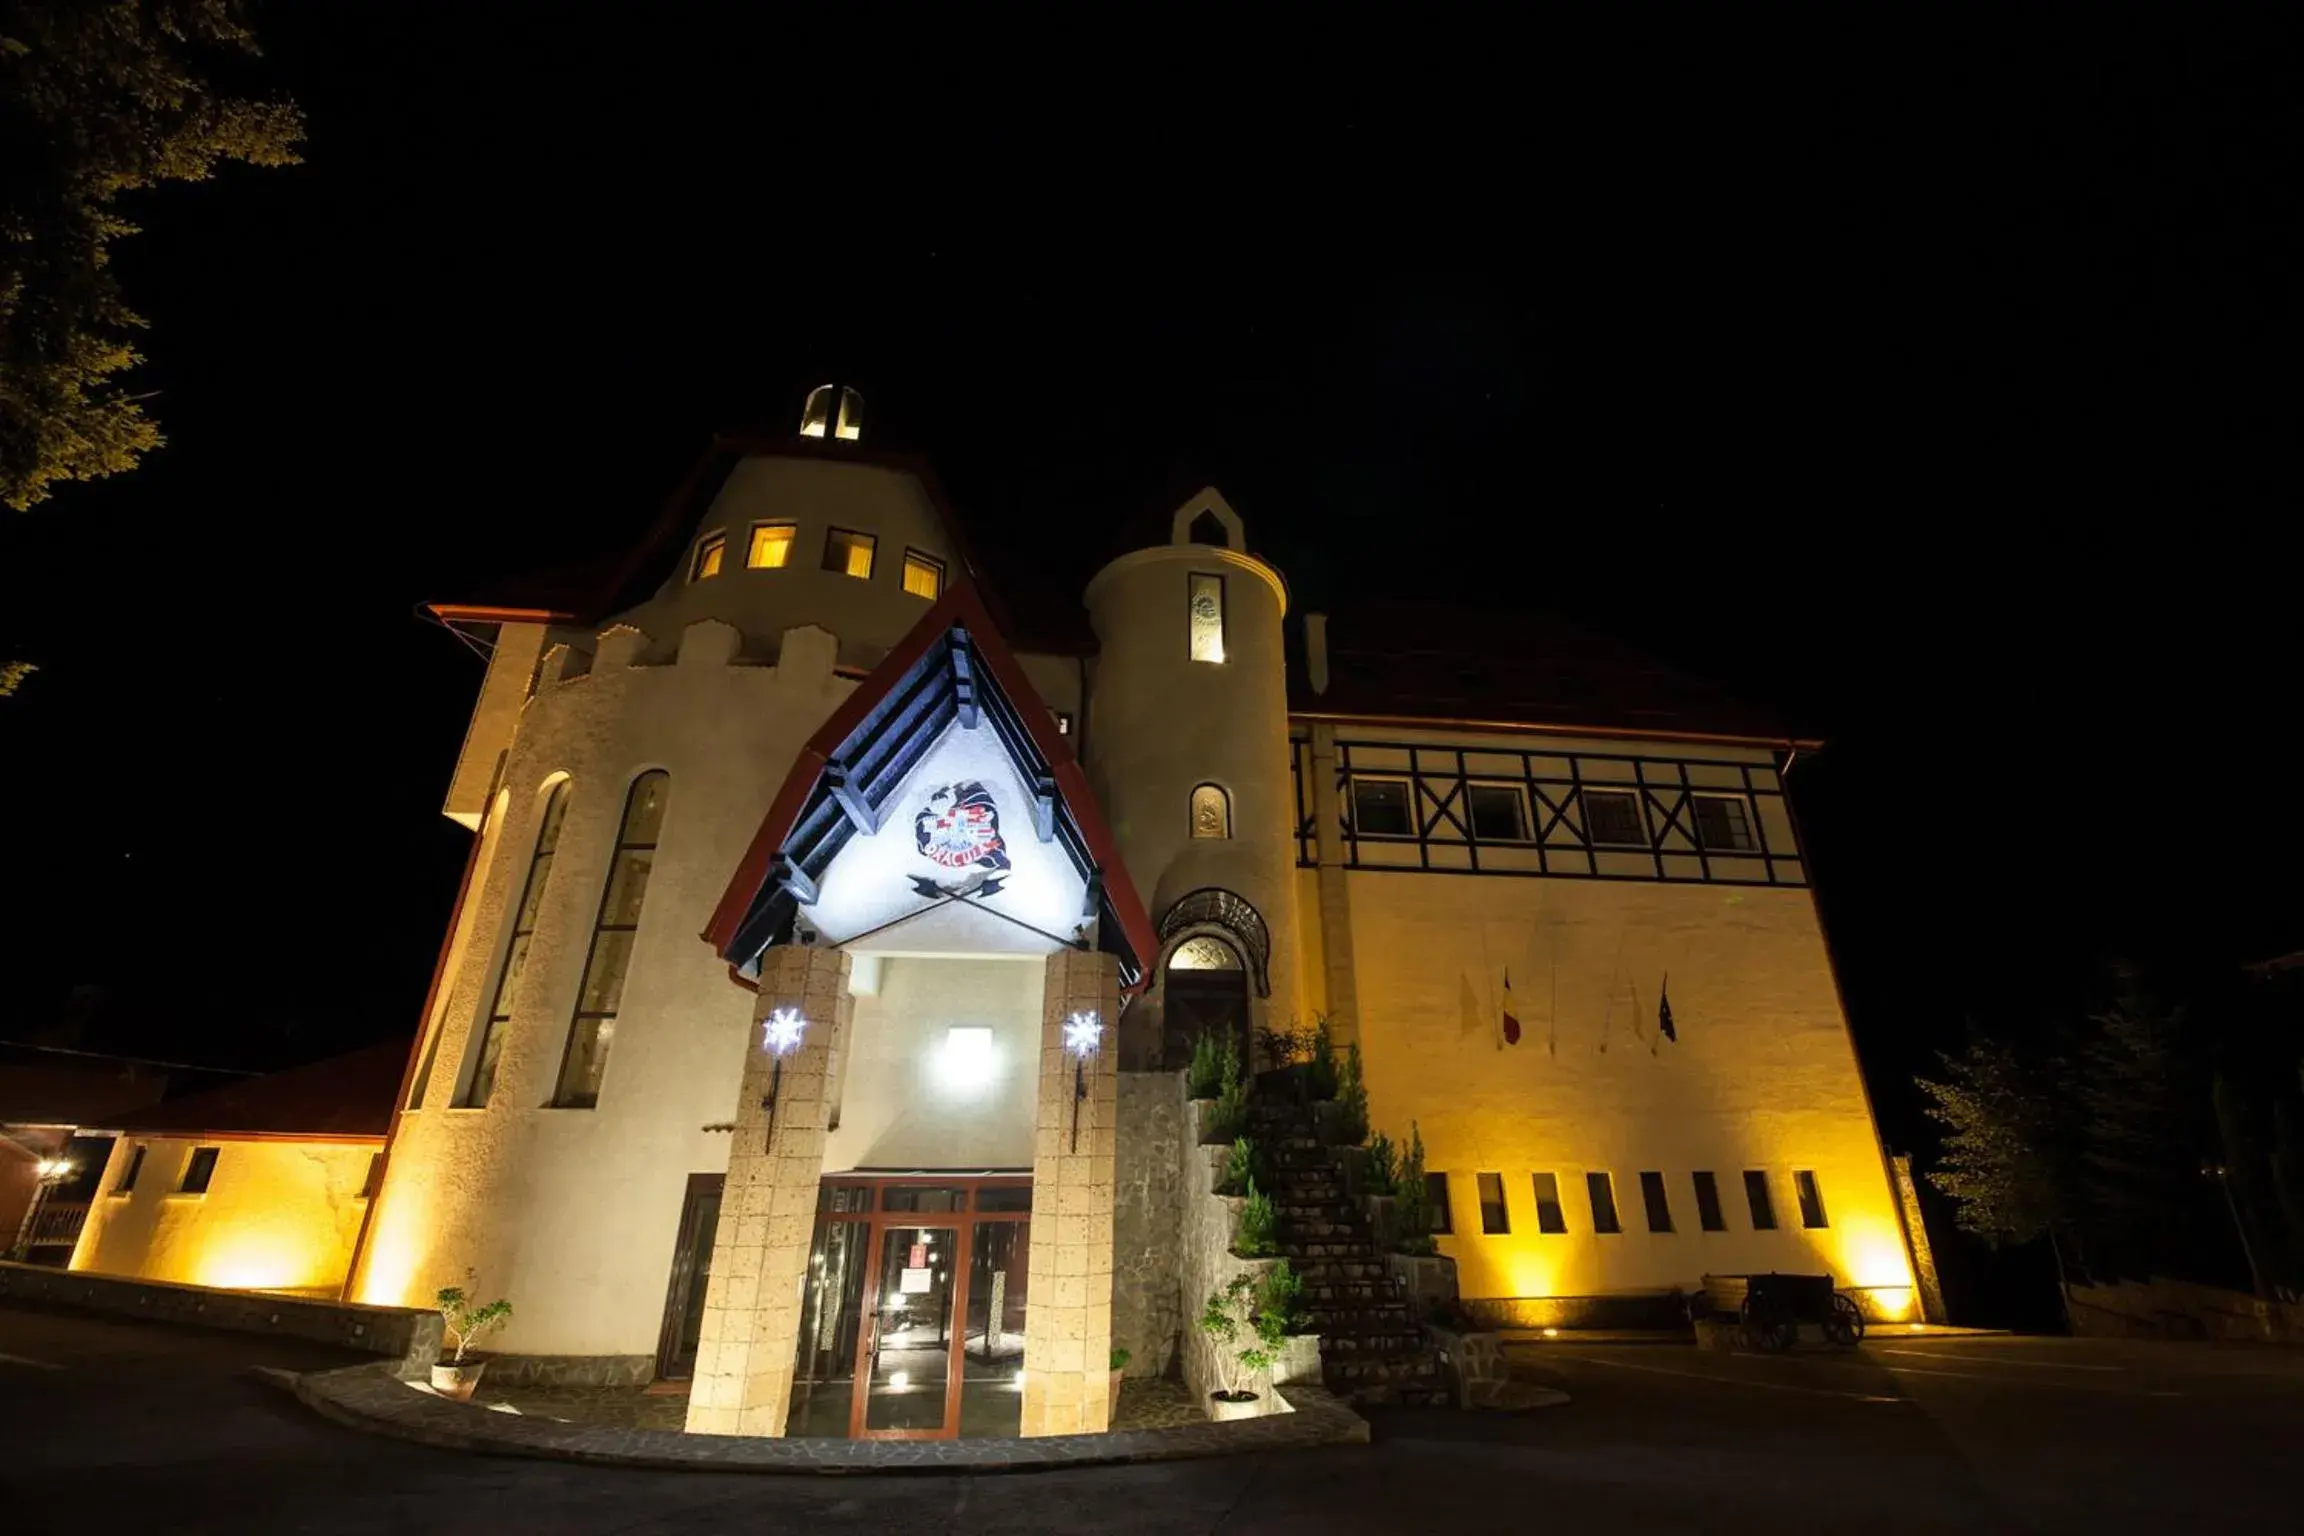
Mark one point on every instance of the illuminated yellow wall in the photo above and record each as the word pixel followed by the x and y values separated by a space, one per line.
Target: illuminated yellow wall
pixel 277 1216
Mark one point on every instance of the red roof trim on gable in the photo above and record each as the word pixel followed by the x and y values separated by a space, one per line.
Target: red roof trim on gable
pixel 960 605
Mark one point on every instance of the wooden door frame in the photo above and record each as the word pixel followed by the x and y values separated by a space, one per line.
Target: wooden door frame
pixel 683 1275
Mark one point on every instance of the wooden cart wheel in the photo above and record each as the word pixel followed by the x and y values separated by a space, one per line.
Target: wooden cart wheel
pixel 1765 1333
pixel 1844 1324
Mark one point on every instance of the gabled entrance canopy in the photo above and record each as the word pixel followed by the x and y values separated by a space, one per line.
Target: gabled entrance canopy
pixel 1011 835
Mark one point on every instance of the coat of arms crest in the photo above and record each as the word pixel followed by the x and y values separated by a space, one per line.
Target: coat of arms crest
pixel 958 831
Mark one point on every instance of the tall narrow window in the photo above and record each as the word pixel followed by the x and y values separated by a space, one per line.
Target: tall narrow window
pixel 1659 1205
pixel 1436 1202
pixel 771 547
pixel 923 575
pixel 199 1170
pixel 1603 1192
pixel 1211 812
pixel 481 1080
pixel 849 553
pixel 1708 1214
pixel 1811 1198
pixel 1493 1216
pixel 1207 617
pixel 1550 1215
pixel 1762 1202
pixel 708 557
pixel 128 1174
pixel 594 1028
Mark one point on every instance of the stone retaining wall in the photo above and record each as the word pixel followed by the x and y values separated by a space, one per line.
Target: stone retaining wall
pixel 1147 1220
pixel 408 1337
pixel 1206 1263
pixel 2178 1309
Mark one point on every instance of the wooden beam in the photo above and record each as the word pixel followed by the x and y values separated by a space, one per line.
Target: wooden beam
pixel 794 879
pixel 850 798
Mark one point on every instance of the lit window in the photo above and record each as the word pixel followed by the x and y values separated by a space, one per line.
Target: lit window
pixel 771 546
pixel 602 993
pixel 850 425
pixel 128 1174
pixel 1211 812
pixel 1811 1198
pixel 1207 607
pixel 1436 1202
pixel 199 1168
pixel 849 554
pixel 1550 1215
pixel 1708 1212
pixel 1659 1205
pixel 1204 954
pixel 480 1081
pixel 708 555
pixel 816 415
pixel 1493 1217
pixel 1762 1202
pixel 1380 808
pixel 923 576
pixel 1498 813
pixel 1602 1189
pixel 1722 825
pixel 1612 819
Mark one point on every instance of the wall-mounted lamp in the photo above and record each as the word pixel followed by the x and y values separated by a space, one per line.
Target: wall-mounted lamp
pixel 1082 1033
pixel 780 1036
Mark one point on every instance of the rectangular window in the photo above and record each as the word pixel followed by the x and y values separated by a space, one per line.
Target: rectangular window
pixel 1550 1215
pixel 1762 1202
pixel 1436 1202
pixel 1207 608
pixel 1708 1213
pixel 1659 1207
pixel 1722 826
pixel 849 554
pixel 1603 1192
pixel 1380 808
pixel 708 556
pixel 923 575
pixel 128 1174
pixel 1499 815
pixel 199 1168
pixel 1612 819
pixel 375 1179
pixel 481 1081
pixel 1493 1217
pixel 771 547
pixel 1811 1198
pixel 602 993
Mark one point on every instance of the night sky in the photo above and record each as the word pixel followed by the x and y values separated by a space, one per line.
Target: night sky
pixel 1939 394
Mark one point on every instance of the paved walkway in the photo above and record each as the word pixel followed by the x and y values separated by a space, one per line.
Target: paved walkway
pixel 1143 1405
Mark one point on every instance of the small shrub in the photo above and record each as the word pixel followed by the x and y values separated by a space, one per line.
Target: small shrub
pixel 1414 1214
pixel 1383 1166
pixel 1230 1314
pixel 1281 1295
pixel 1230 1116
pixel 463 1324
pixel 1320 1078
pixel 1239 1167
pixel 1204 1078
pixel 1120 1358
pixel 1351 1118
pixel 1258 1235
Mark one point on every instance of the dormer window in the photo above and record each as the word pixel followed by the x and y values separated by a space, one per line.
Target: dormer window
pixel 771 547
pixel 923 575
pixel 849 553
pixel 708 557
pixel 833 410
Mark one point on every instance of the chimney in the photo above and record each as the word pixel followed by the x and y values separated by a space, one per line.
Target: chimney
pixel 1316 650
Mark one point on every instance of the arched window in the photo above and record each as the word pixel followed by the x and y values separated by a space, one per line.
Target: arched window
pixel 594 1027
pixel 1211 812
pixel 818 418
pixel 480 1080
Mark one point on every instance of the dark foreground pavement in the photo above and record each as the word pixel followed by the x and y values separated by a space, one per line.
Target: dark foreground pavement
pixel 130 1427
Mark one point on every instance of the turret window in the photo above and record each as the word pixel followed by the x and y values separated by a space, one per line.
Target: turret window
pixel 849 553
pixel 923 575
pixel 1207 612
pixel 771 547
pixel 602 993
pixel 709 554
pixel 1211 812
pixel 482 1080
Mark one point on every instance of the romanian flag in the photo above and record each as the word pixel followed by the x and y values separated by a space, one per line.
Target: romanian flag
pixel 1511 1021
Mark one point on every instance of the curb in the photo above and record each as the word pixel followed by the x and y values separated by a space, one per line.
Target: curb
pixel 367 1398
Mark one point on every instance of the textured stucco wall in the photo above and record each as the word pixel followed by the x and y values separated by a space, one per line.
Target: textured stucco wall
pixel 901 1104
pixel 1147 1220
pixel 276 1216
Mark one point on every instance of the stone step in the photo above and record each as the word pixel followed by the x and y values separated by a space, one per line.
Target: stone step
pixel 1400 1395
pixel 1330 1248
pixel 1358 1316
pixel 1405 1365
pixel 1336 1271
pixel 1316 1210
pixel 1370 1345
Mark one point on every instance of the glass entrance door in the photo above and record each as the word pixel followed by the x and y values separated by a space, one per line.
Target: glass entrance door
pixel 914 1326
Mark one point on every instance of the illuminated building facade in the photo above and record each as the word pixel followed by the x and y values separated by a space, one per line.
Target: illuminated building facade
pixel 815 914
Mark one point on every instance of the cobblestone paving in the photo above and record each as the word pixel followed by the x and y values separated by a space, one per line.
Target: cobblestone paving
pixel 1144 1404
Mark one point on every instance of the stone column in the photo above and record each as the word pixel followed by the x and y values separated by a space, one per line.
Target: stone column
pixel 1068 1314
pixel 751 1327
pixel 1929 1299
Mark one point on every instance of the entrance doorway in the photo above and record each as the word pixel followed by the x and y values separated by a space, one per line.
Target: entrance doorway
pixel 691 1271
pixel 912 1314
pixel 1204 991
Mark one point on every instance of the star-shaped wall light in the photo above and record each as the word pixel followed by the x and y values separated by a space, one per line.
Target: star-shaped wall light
pixel 780 1031
pixel 1082 1032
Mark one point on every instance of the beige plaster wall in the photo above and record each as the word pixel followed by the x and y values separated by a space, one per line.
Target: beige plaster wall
pixel 277 1215
pixel 903 1103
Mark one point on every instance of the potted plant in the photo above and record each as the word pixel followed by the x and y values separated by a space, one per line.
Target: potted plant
pixel 1119 1364
pixel 463 1325
pixel 1233 1314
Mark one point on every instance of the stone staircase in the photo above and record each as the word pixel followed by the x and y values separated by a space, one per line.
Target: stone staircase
pixel 1372 1347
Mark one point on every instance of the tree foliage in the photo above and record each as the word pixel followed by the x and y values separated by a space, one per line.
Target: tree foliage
pixel 100 98
pixel 2001 1143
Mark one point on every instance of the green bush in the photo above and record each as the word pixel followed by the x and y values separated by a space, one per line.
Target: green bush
pixel 1230 1116
pixel 1230 1313
pixel 1383 1166
pixel 1350 1125
pixel 1204 1078
pixel 1320 1075
pixel 1120 1358
pixel 1280 1295
pixel 1258 1235
pixel 1410 1210
pixel 1239 1167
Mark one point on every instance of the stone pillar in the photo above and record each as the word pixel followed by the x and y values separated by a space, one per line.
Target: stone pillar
pixel 751 1327
pixel 1333 883
pixel 1068 1315
pixel 1931 1293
